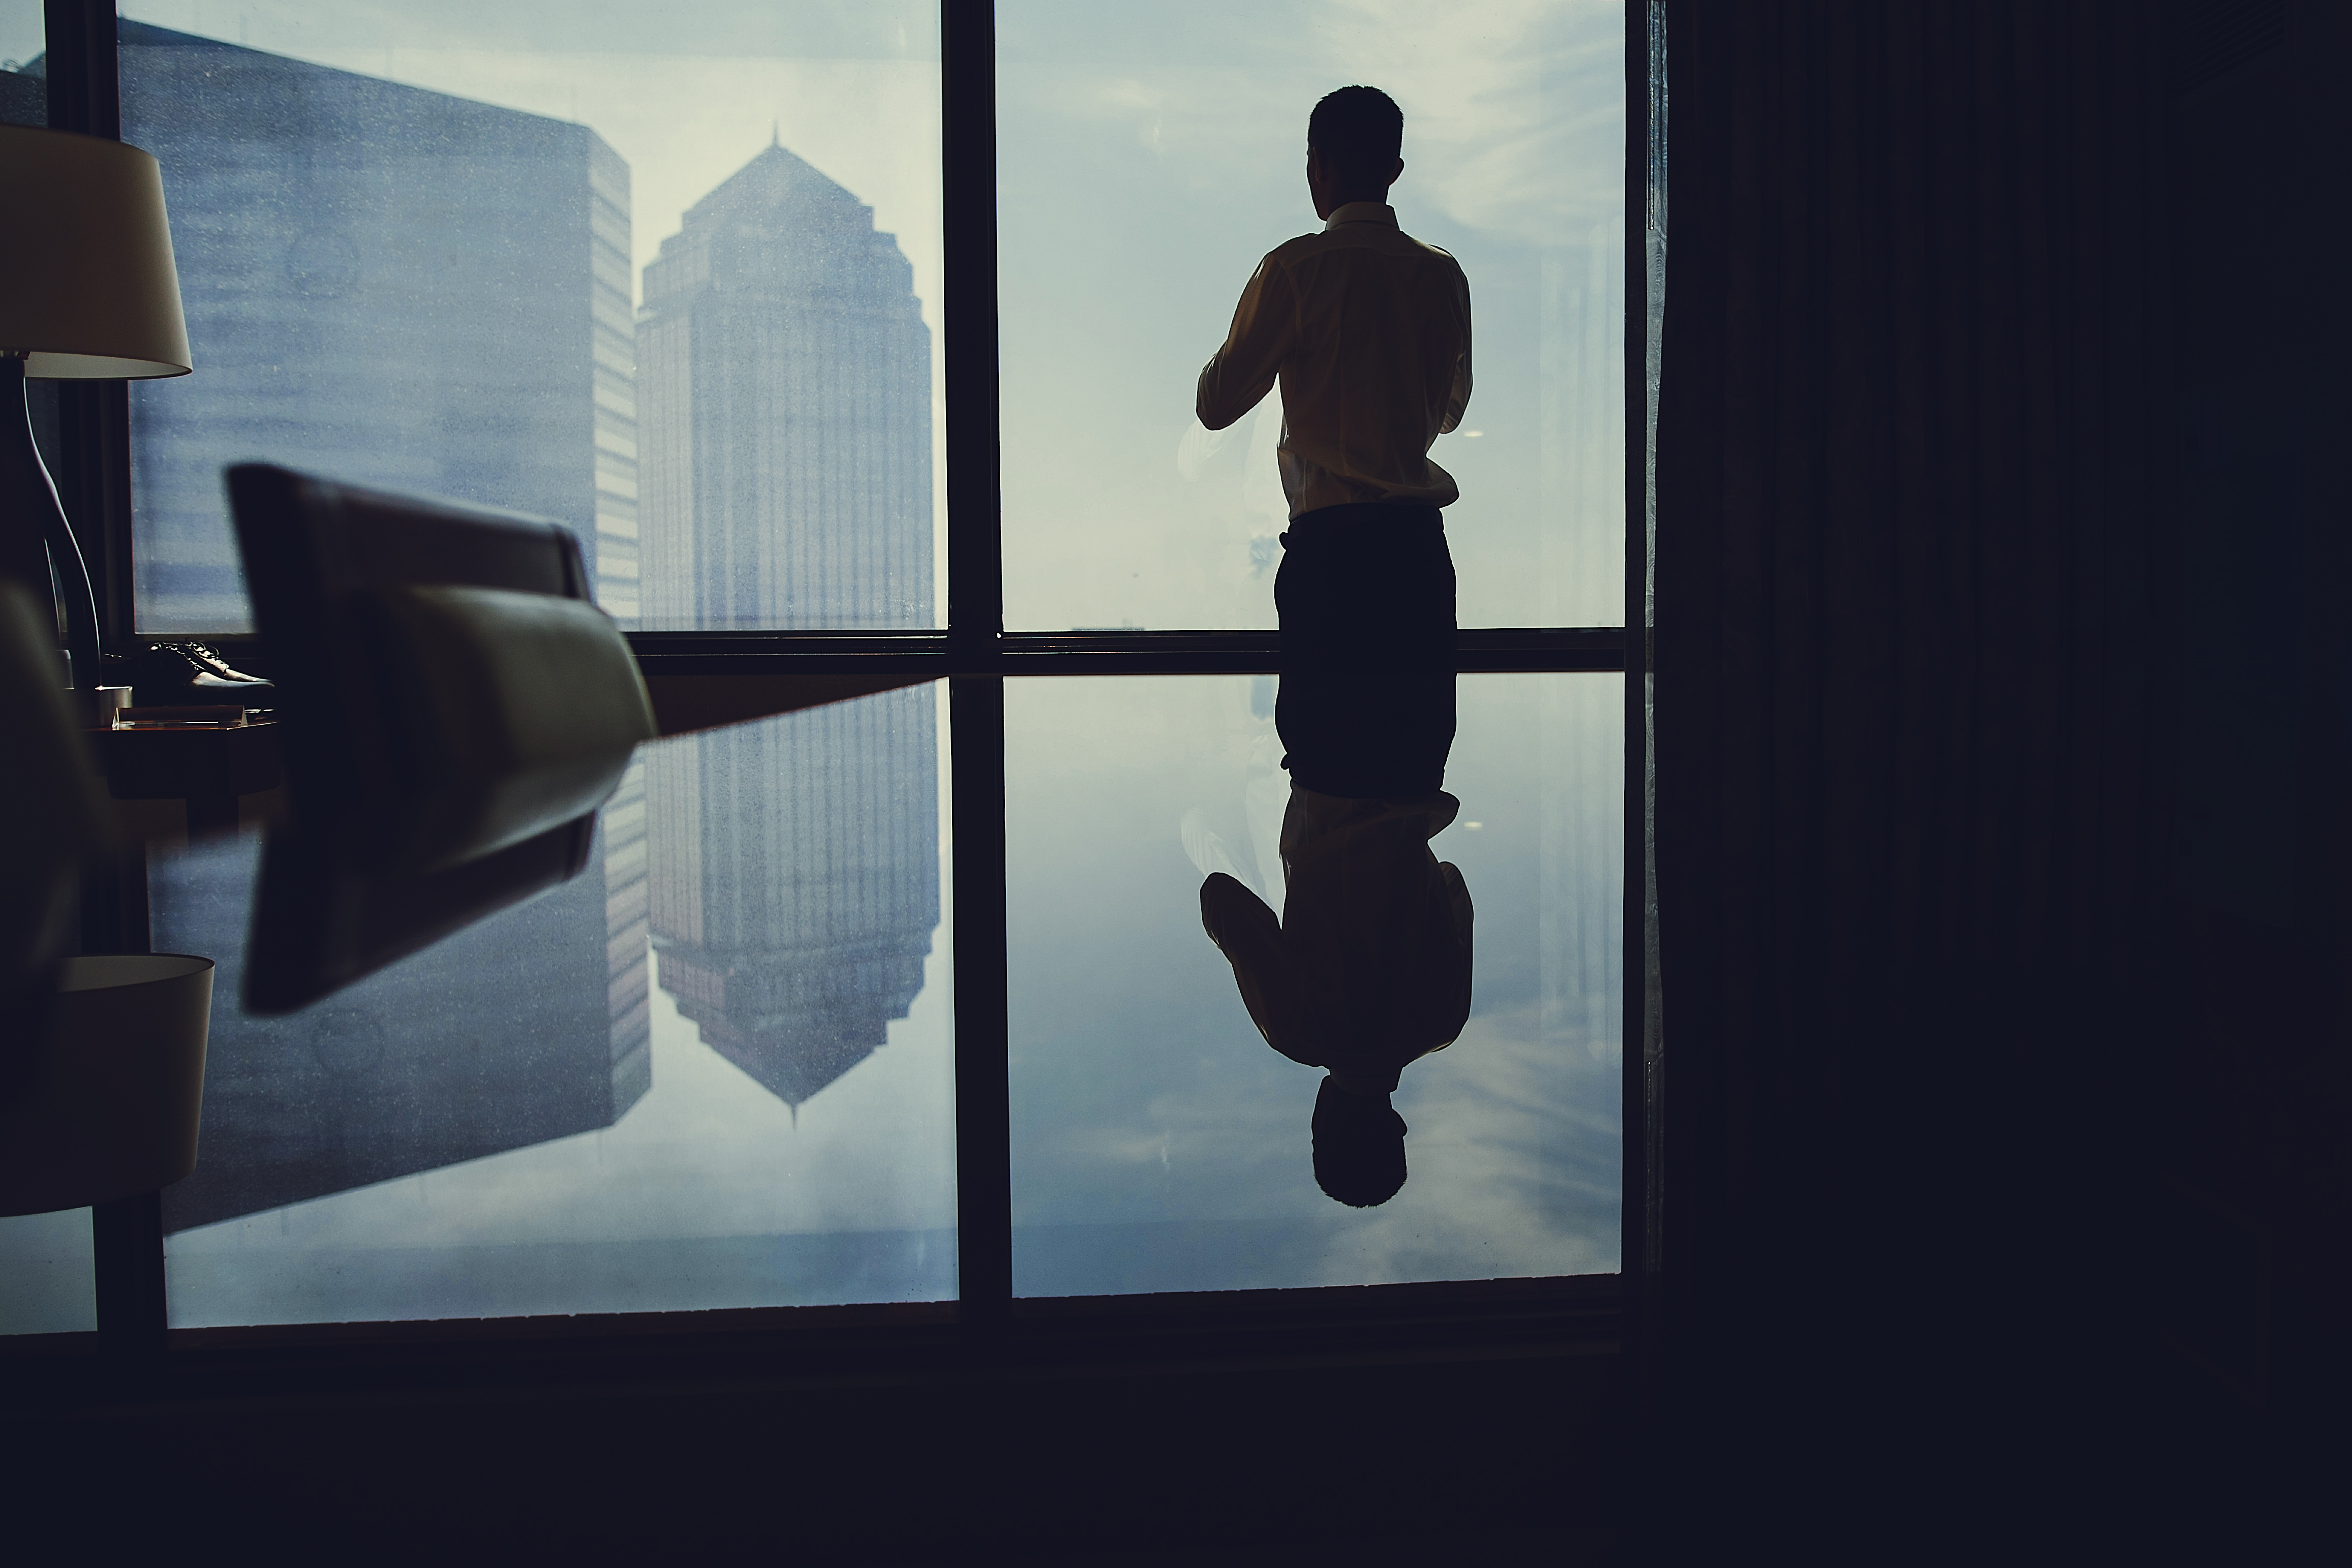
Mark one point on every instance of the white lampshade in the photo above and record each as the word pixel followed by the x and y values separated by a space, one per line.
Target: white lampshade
pixel 87 285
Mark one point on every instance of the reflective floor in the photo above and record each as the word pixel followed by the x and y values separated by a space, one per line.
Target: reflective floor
pixel 540 1115
pixel 1159 1143
pixel 715 1069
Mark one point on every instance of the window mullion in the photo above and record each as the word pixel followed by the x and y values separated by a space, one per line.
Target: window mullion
pixel 967 115
pixel 976 702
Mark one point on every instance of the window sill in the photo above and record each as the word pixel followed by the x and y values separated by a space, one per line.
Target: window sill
pixel 898 1343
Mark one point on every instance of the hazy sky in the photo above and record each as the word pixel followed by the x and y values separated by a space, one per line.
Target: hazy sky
pixel 686 93
pixel 20 29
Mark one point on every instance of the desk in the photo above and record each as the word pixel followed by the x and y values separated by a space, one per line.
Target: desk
pixel 207 765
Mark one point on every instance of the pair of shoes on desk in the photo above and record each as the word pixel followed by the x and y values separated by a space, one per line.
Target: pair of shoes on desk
pixel 185 674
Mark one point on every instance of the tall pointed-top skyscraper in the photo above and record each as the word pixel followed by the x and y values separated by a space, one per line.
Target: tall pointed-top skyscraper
pixel 786 376
pixel 784 397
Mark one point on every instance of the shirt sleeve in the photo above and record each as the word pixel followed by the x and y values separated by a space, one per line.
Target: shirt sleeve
pixel 1246 932
pixel 1243 370
pixel 1457 401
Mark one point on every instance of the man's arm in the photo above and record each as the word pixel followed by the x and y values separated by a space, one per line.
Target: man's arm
pixel 1243 371
pixel 1246 932
pixel 1458 400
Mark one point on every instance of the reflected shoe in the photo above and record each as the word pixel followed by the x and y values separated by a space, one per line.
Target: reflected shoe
pixel 184 674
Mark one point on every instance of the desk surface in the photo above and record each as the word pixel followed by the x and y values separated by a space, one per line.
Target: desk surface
pixel 184 762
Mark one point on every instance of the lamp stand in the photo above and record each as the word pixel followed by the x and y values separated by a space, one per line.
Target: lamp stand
pixel 36 544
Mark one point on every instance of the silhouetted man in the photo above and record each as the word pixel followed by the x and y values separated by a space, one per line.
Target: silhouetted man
pixel 1367 330
pixel 1367 970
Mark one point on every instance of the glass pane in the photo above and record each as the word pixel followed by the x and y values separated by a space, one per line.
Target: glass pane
pixel 1150 154
pixel 47 1273
pixel 667 274
pixel 540 1115
pixel 1160 1141
pixel 23 36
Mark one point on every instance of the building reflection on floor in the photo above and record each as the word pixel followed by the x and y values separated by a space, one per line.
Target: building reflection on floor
pixel 529 1026
pixel 792 878
pixel 796 883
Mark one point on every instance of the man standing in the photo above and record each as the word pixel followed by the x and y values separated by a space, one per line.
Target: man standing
pixel 1367 330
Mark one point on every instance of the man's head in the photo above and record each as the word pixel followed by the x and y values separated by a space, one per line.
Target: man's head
pixel 1355 139
pixel 1358 1147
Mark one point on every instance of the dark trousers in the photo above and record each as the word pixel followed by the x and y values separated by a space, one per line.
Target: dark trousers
pixel 1366 598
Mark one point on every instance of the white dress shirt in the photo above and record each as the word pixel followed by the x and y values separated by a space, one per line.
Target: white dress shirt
pixel 1369 331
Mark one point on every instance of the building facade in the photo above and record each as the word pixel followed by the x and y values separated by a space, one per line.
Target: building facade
pixel 787 470
pixel 784 377
pixel 407 289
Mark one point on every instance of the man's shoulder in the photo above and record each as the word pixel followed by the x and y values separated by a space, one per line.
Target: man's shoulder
pixel 1356 239
pixel 1293 250
pixel 1437 254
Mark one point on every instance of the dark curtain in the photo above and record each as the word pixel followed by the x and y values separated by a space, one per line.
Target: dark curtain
pixel 1910 525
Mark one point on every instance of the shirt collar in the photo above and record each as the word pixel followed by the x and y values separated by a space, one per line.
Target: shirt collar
pixel 1360 213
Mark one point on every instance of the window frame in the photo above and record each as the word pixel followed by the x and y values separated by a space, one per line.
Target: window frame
pixel 975 654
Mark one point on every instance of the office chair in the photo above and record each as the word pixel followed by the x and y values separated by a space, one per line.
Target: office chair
pixel 457 710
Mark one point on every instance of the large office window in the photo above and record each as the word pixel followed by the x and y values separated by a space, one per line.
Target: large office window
pixel 671 276
pixel 1150 154
pixel 678 279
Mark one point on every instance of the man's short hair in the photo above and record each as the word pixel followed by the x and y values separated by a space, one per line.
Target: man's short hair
pixel 1358 1147
pixel 1360 132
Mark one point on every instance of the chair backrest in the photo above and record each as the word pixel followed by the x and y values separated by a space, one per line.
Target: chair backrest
pixel 455 708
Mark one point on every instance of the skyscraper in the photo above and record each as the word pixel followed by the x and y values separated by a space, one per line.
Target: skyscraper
pixel 383 285
pixel 786 376
pixel 784 373
pixel 398 288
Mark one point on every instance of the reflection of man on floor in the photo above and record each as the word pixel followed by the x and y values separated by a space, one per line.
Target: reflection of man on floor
pixel 1367 331
pixel 1368 969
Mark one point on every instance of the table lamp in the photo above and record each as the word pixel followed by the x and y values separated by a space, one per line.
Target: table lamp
pixel 101 1058
pixel 87 292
